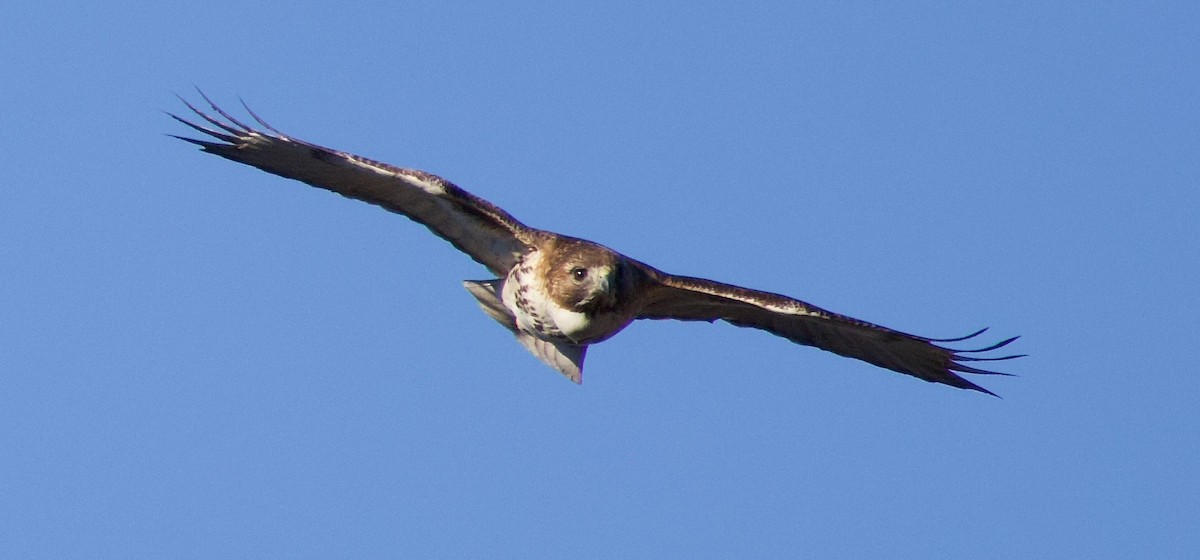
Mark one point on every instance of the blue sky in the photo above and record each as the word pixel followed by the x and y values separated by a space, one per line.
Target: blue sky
pixel 200 360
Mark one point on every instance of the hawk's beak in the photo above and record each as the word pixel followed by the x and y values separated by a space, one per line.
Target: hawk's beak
pixel 604 295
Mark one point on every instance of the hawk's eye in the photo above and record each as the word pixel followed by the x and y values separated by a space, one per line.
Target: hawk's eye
pixel 579 273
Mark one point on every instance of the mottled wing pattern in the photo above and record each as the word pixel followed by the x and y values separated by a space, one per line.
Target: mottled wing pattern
pixel 697 299
pixel 475 226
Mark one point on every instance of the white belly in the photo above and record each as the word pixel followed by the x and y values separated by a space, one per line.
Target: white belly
pixel 535 313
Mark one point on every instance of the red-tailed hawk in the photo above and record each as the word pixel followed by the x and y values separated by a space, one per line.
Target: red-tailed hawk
pixel 559 294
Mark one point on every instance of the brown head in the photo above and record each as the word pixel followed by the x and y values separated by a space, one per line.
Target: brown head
pixel 580 275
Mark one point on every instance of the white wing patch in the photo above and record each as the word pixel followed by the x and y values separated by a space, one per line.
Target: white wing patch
pixel 419 180
pixel 792 308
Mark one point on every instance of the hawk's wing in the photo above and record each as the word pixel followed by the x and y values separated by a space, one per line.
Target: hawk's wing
pixel 697 299
pixel 475 226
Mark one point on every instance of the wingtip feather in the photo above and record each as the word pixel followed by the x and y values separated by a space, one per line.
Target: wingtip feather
pixel 259 119
pixel 961 338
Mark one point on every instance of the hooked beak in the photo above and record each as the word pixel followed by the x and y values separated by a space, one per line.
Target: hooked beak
pixel 602 295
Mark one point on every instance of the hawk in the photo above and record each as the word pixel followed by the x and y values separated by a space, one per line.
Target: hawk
pixel 558 294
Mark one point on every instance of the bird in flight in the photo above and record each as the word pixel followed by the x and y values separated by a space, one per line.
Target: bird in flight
pixel 558 294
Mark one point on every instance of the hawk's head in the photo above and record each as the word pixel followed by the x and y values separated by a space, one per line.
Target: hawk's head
pixel 581 276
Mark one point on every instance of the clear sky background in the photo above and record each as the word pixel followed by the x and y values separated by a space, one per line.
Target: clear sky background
pixel 200 360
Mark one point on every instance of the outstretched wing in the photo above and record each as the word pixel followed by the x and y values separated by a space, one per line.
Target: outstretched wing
pixel 475 226
pixel 697 299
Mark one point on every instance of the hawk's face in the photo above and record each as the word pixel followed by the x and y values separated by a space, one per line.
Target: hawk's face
pixel 582 277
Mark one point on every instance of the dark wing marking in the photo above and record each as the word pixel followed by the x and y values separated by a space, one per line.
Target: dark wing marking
pixel 697 299
pixel 475 226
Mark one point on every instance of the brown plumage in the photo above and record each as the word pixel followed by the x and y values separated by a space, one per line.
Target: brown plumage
pixel 559 294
